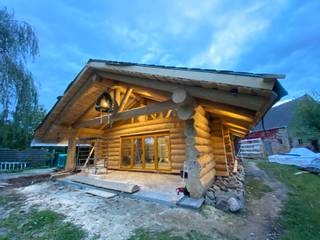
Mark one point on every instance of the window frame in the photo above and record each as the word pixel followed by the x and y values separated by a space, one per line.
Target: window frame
pixel 155 151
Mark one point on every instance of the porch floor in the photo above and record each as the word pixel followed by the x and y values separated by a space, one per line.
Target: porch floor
pixel 153 186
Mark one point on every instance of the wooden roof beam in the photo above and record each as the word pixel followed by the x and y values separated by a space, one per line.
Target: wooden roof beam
pixel 237 131
pixel 235 126
pixel 157 95
pixel 240 100
pixel 228 111
pixel 125 99
pixel 146 110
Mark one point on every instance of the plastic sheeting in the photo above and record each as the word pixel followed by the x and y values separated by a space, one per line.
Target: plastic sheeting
pixel 301 157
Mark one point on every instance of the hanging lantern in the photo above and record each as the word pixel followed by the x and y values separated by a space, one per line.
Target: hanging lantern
pixel 104 103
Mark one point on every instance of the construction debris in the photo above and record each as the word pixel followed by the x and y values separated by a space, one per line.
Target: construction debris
pixel 100 193
pixel 301 157
pixel 120 186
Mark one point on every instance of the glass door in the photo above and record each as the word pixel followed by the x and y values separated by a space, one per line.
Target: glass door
pixel 149 152
pixel 146 152
pixel 163 156
pixel 137 153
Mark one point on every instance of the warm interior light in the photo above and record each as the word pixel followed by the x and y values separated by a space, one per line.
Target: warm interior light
pixel 104 103
pixel 233 115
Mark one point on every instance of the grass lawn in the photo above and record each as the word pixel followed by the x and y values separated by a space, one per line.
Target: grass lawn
pixel 34 224
pixel 255 188
pixel 301 214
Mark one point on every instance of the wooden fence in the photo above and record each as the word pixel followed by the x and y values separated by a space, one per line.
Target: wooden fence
pixel 33 157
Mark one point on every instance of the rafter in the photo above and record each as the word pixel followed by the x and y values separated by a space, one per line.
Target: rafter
pixel 145 110
pixel 125 99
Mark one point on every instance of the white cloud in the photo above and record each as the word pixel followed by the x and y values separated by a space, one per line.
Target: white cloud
pixel 232 33
pixel 231 39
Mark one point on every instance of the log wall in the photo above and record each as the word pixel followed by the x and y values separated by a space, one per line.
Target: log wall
pixel 200 162
pixel 172 125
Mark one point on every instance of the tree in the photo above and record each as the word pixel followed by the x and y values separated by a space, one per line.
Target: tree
pixel 306 123
pixel 20 112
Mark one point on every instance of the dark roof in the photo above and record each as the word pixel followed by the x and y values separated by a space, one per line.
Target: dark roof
pixel 261 75
pixel 280 116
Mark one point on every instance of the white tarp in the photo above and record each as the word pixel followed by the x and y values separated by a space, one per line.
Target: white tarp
pixel 301 157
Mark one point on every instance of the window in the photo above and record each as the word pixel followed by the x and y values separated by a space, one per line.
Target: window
pixel 126 153
pixel 147 152
pixel 300 141
pixel 280 141
pixel 163 152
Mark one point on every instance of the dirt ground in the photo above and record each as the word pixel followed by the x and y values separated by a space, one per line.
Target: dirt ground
pixel 118 217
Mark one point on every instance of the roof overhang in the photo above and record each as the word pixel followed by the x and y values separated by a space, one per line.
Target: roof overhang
pixel 258 91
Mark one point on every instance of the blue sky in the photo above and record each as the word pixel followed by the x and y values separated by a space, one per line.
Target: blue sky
pixel 271 36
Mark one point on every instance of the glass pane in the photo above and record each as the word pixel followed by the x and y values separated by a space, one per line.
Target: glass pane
pixel 149 152
pixel 126 153
pixel 163 152
pixel 137 153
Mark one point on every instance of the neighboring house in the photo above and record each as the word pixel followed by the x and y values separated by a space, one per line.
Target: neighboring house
pixel 160 119
pixel 276 132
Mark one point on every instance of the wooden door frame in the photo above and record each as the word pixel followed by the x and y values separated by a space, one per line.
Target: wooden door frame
pixel 155 135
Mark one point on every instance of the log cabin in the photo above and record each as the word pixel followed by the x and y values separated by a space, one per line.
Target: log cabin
pixel 162 119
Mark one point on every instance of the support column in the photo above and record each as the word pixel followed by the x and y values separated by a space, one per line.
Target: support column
pixel 71 158
pixel 192 165
pixel 200 163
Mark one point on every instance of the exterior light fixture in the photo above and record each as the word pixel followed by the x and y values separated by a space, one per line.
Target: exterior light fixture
pixel 104 104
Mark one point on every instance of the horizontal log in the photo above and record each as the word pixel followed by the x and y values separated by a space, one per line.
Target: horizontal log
pixel 178 151
pixel 196 132
pixel 202 126
pixel 207 179
pixel 201 118
pixel 146 110
pixel 178 158
pixel 199 109
pixel 143 129
pixel 197 141
pixel 204 159
pixel 177 166
pixel 176 129
pixel 176 135
pixel 221 167
pixel 206 169
pixel 172 120
pixel 178 146
pixel 218 151
pixel 222 173
pixel 113 158
pixel 177 141
pixel 219 159
pixel 204 148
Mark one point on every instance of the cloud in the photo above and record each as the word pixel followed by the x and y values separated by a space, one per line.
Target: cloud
pixel 236 28
pixel 253 35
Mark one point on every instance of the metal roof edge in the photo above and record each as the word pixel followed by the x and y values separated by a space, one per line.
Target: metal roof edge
pixel 237 73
